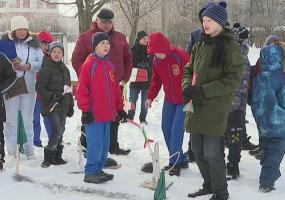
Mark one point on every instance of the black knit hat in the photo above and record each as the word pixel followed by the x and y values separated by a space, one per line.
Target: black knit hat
pixel 98 37
pixel 217 12
pixel 141 34
pixel 106 14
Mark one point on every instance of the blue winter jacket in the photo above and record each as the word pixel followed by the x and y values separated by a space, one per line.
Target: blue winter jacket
pixel 268 97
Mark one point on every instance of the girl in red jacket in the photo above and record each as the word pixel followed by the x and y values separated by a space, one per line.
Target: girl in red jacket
pixel 168 66
pixel 99 97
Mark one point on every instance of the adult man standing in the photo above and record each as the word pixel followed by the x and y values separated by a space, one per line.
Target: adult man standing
pixel 120 54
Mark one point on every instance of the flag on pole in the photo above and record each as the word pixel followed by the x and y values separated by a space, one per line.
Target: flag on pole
pixel 21 133
pixel 160 191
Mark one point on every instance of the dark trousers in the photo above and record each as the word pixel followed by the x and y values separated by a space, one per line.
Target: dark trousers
pixel 234 135
pixel 114 144
pixel 209 156
pixel 57 122
pixel 273 152
pixel 2 142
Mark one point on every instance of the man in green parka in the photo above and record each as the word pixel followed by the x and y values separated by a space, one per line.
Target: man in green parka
pixel 218 64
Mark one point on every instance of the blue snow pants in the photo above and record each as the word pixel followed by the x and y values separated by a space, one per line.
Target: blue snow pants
pixel 98 142
pixel 173 129
pixel 273 152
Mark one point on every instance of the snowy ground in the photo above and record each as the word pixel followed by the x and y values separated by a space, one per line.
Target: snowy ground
pixel 56 183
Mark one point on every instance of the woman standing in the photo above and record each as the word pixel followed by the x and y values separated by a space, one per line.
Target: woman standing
pixel 29 62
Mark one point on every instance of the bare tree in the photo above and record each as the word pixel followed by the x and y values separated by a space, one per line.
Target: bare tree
pixel 85 10
pixel 134 10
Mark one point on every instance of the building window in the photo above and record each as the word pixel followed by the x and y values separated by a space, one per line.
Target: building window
pixel 3 3
pixel 26 4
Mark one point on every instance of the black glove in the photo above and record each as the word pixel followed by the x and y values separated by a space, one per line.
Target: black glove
pixel 70 112
pixel 186 95
pixel 196 93
pixel 123 116
pixel 87 118
pixel 56 97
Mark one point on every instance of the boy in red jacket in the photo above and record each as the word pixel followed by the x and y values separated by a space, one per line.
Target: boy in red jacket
pixel 99 97
pixel 168 66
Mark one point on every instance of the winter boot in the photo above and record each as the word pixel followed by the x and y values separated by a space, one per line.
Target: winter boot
pixel 200 192
pixel 147 167
pixel 258 156
pixel 232 171
pixel 97 179
pixel 175 171
pixel 58 156
pixel 224 196
pixel 167 167
pixel 143 120
pixel 265 189
pixel 247 145
pixel 48 158
pixel 1 165
pixel 108 176
pixel 183 165
pixel 255 151
pixel 111 163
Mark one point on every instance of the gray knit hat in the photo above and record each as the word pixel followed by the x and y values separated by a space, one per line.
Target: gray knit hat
pixel 55 44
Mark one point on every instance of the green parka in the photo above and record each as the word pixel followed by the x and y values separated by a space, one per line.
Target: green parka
pixel 219 82
pixel 51 80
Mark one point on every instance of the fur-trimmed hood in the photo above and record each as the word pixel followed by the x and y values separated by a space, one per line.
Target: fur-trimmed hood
pixel 32 39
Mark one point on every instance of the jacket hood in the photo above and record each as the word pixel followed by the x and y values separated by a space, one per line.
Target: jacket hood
pixel 271 58
pixel 158 43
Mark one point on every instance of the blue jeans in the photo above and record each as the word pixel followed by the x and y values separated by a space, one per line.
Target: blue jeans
pixel 98 142
pixel 37 123
pixel 134 94
pixel 273 152
pixel 173 129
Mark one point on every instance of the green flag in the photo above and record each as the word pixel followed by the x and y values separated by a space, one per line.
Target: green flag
pixel 160 191
pixel 21 133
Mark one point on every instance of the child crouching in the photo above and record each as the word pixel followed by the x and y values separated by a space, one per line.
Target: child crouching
pixel 99 97
pixel 57 102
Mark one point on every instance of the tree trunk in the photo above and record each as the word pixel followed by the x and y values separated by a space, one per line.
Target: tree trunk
pixel 85 19
pixel 133 32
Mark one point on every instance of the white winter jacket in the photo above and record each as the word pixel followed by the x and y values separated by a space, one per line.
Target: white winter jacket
pixel 31 44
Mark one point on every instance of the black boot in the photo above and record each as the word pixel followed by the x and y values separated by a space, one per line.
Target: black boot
pixel 247 145
pixel 119 151
pixel 111 164
pixel 200 192
pixel 175 171
pixel 255 151
pixel 232 171
pixel 224 196
pixel 48 158
pixel 1 165
pixel 147 167
pixel 143 120
pixel 58 156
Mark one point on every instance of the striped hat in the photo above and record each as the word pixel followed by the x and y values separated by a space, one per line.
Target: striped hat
pixel 217 12
pixel 55 44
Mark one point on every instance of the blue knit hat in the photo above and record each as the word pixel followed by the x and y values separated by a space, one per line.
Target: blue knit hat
pixel 98 37
pixel 217 12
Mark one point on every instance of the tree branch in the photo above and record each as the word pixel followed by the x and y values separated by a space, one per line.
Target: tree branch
pixel 125 12
pixel 58 3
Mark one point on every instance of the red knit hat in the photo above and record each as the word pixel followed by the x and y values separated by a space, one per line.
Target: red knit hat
pixel 45 37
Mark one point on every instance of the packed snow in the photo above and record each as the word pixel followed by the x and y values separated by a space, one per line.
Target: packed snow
pixel 57 183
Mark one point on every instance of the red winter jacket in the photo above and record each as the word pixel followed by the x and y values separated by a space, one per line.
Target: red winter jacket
pixel 98 89
pixel 120 53
pixel 169 71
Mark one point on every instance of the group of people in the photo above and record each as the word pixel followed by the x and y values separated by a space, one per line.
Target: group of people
pixel 212 78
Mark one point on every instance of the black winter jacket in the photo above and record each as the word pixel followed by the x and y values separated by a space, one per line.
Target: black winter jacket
pixel 7 79
pixel 141 60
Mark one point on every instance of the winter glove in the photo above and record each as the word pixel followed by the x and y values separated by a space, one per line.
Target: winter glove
pixel 87 118
pixel 196 93
pixel 56 97
pixel 70 112
pixel 123 116
pixel 186 95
